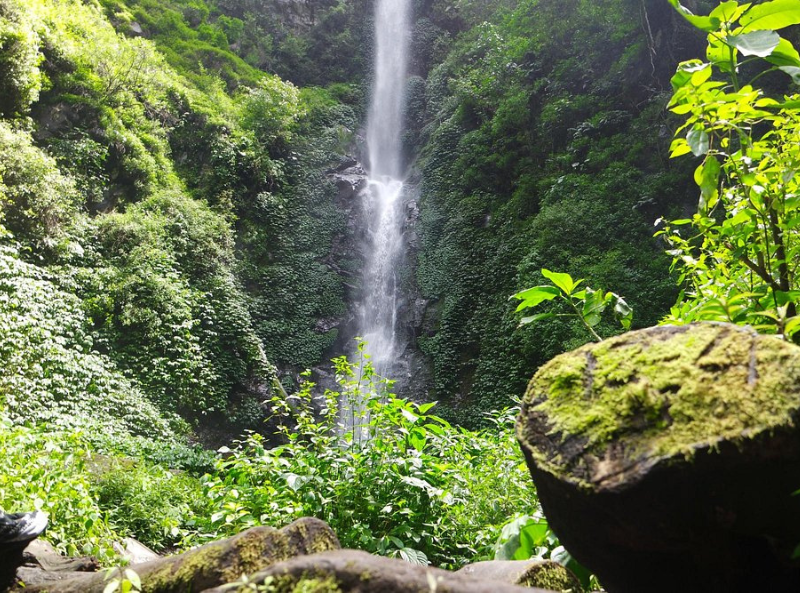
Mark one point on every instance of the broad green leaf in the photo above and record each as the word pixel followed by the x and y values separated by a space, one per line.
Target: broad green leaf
pixel 531 536
pixel 791 327
pixel 679 147
pixel 417 439
pixel 623 311
pixel 423 408
pixel 757 43
pixel 701 76
pixel 684 73
pixel 535 296
pixel 534 318
pixel 721 55
pixel 698 142
pixel 793 72
pixel 562 280
pixel 708 181
pixel 771 15
pixel 784 55
pixel 594 303
pixel 704 23
pixel 415 557
pixel 728 12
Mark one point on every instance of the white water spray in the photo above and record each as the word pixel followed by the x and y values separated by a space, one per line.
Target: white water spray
pixel 384 195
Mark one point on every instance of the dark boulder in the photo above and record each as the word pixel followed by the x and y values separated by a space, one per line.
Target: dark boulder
pixel 666 459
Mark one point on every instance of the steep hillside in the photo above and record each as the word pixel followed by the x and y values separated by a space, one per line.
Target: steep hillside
pixel 542 143
pixel 155 192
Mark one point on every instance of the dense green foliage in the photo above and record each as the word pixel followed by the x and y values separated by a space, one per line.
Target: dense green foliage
pixel 309 42
pixel 543 147
pixel 395 480
pixel 741 265
pixel 173 211
pixel 415 487
pixel 170 247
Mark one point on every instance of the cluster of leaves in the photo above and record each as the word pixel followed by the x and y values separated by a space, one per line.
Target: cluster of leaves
pixel 49 371
pixel 586 305
pixel 385 473
pixel 47 470
pixel 740 262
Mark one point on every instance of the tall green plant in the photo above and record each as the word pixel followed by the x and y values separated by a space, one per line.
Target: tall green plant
pixel 740 259
pixel 386 474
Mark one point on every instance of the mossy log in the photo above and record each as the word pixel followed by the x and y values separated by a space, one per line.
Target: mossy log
pixel 666 459
pixel 353 571
pixel 216 563
pixel 544 574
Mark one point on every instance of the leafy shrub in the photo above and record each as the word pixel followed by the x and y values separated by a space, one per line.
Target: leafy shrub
pixel 385 473
pixel 20 78
pixel 49 371
pixel 37 202
pixel 151 504
pixel 49 470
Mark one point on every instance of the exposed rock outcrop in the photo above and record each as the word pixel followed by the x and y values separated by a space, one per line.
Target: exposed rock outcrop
pixel 666 459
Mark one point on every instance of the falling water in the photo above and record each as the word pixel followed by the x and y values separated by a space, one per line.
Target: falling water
pixel 384 195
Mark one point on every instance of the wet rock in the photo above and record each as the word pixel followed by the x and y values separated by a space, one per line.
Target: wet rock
pixel 666 459
pixel 352 571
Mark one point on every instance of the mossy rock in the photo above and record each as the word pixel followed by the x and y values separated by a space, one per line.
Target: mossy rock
pixel 534 573
pixel 216 563
pixel 666 458
pixel 354 571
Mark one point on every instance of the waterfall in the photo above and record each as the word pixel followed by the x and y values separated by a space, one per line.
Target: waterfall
pixel 384 194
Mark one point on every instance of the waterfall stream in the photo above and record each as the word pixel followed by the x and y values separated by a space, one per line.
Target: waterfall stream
pixel 384 194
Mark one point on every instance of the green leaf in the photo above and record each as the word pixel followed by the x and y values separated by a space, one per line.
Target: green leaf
pixel 562 280
pixel 757 43
pixel 707 177
pixel 705 23
pixel 535 296
pixel 415 557
pixel 698 142
pixel 701 76
pixel 719 54
pixel 793 72
pixel 784 55
pixel 594 303
pixel 771 15
pixel 684 73
pixel 623 311
pixel 679 147
pixel 534 318
pixel 728 12
pixel 531 536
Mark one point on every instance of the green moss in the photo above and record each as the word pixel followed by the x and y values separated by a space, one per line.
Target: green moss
pixel 550 576
pixel 177 577
pixel 667 391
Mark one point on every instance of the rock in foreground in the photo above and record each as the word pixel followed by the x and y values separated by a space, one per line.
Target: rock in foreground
pixel 213 564
pixel 666 459
pixel 354 571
